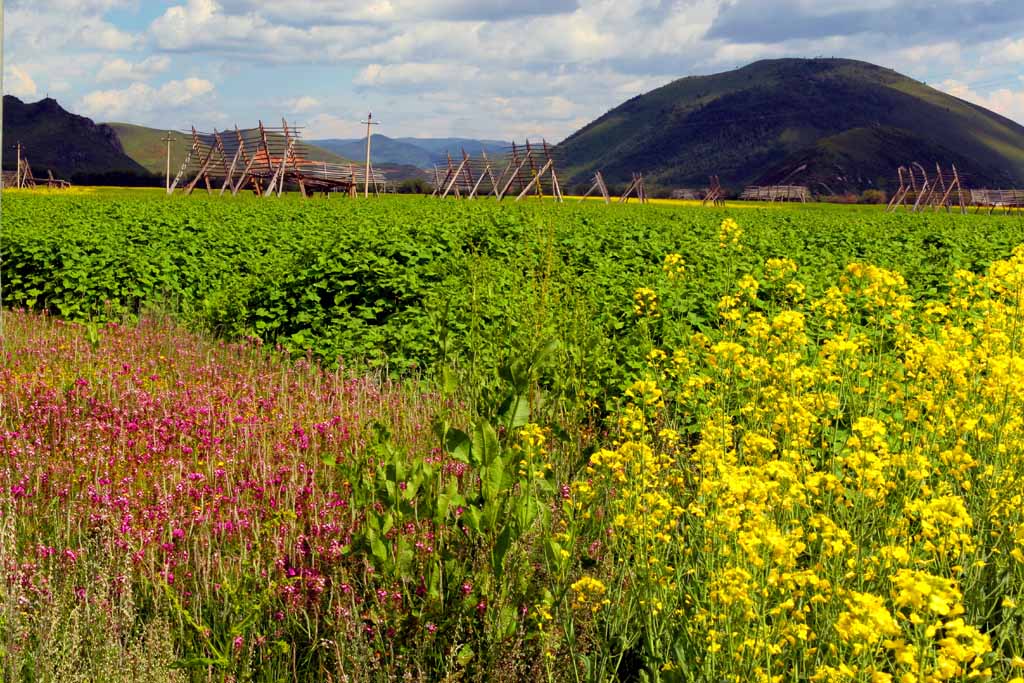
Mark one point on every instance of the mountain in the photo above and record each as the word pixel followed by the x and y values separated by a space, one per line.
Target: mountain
pixel 422 153
pixel 73 147
pixel 384 150
pixel 147 147
pixel 441 147
pixel 836 125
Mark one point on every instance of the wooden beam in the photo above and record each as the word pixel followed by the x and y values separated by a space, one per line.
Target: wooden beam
pixel 202 169
pixel 512 178
pixel 277 174
pixel 181 171
pixel 455 178
pixel 624 199
pixel 231 172
pixel 244 176
pixel 536 179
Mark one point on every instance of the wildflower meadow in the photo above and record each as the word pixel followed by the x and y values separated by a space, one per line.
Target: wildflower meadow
pixel 760 446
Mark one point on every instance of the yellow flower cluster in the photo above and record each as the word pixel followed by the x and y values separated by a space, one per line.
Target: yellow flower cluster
pixel 533 458
pixel 729 235
pixel 831 487
pixel 589 594
pixel 674 267
pixel 645 303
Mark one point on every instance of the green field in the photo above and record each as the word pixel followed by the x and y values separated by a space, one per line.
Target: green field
pixel 413 439
pixel 382 281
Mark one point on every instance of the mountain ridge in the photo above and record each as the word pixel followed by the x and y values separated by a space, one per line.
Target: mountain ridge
pixel 424 153
pixel 72 146
pixel 763 121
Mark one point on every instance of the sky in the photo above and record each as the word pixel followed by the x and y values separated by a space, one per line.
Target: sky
pixel 469 68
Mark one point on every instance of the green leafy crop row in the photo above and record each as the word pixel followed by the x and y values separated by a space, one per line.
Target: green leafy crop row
pixel 412 282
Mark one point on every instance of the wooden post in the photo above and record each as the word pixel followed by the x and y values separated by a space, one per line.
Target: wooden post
pixel 202 169
pixel 959 190
pixel 248 166
pixel 924 186
pixel 244 176
pixel 278 174
pixel 624 199
pixel 896 197
pixel 536 180
pixel 369 137
pixel 599 177
pixel 469 174
pixel 511 179
pixel 455 178
pixel 167 175
pixel 299 178
pixel 229 176
pixel 266 147
pixel 17 169
pixel 184 166
pixel 487 170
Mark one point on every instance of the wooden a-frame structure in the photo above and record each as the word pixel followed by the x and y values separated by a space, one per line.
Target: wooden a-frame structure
pixel 266 160
pixel 598 186
pixel 917 190
pixel 635 189
pixel 528 169
pixel 715 195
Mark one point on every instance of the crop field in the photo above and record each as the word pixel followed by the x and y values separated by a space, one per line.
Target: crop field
pixel 421 440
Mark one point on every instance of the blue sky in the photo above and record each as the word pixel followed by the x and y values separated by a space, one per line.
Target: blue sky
pixel 473 68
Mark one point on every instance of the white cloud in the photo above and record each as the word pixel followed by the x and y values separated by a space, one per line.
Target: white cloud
pixel 122 70
pixel 468 67
pixel 324 126
pixel 19 83
pixel 946 53
pixel 302 105
pixel 139 98
pixel 34 29
pixel 1005 101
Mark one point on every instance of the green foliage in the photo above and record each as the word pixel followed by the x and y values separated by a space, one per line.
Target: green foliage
pixel 414 283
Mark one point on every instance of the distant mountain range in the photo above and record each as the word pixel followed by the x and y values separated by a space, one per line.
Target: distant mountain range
pixel 836 125
pixel 73 147
pixel 422 153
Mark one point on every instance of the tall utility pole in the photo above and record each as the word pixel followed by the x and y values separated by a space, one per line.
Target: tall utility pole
pixel 369 136
pixel 169 139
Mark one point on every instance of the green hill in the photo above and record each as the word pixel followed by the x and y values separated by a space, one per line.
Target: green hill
pixel 834 124
pixel 72 146
pixel 146 146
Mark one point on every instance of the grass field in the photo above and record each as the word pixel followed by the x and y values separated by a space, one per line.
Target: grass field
pixel 423 440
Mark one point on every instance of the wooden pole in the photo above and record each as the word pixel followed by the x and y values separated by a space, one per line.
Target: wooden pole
pixel 244 177
pixel 369 138
pixel 536 180
pixel 167 174
pixel 229 176
pixel 455 178
pixel 512 178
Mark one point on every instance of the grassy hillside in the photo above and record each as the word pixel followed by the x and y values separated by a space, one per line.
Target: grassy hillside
pixel 840 122
pixel 146 147
pixel 54 139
